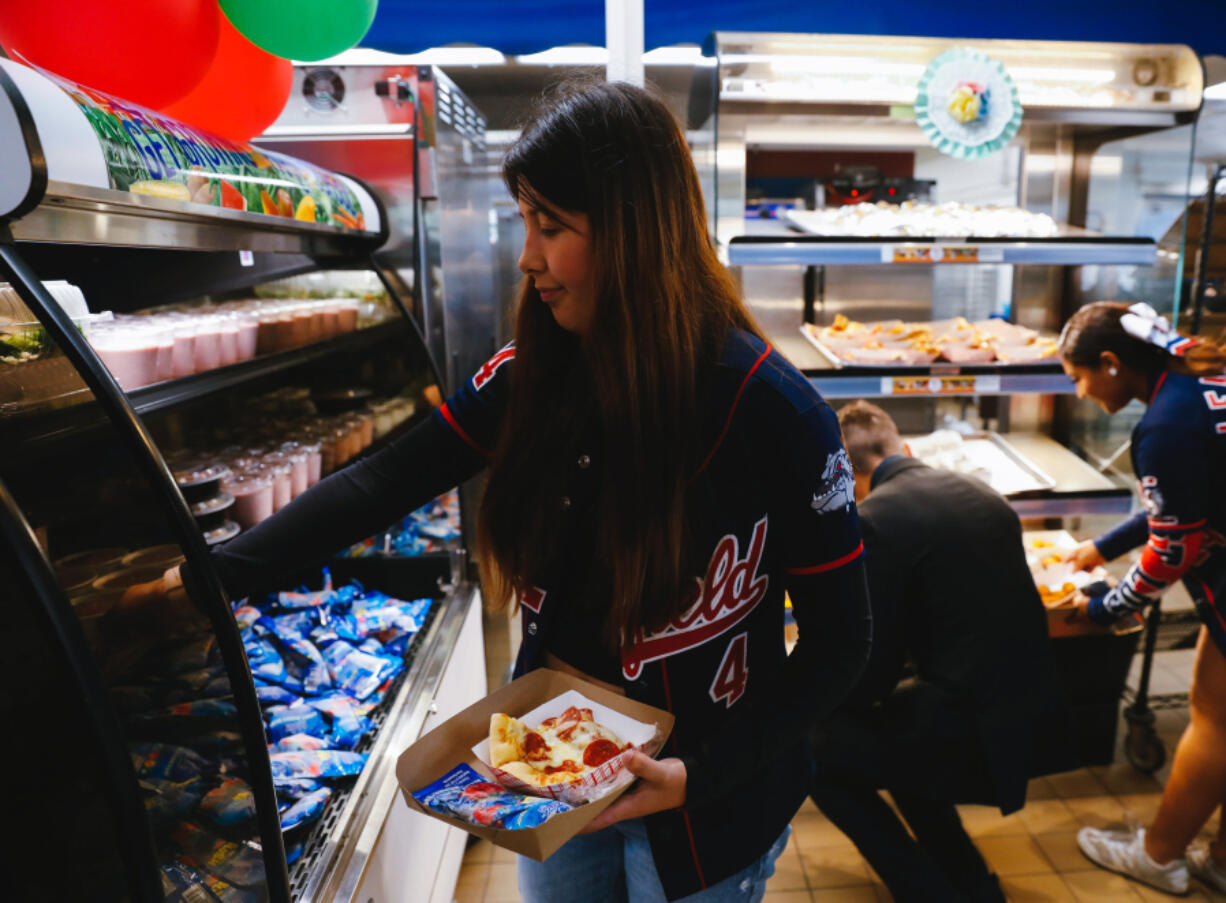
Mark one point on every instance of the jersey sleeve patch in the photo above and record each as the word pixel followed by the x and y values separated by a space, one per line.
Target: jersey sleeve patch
pixel 836 489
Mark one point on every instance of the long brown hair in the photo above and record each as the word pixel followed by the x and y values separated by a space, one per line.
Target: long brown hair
pixel 664 306
pixel 1096 328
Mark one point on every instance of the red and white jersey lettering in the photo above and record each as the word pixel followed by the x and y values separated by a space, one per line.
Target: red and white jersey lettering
pixel 733 673
pixel 491 367
pixel 731 589
pixel 475 412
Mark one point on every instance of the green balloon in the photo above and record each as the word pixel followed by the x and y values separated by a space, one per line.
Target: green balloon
pixel 301 29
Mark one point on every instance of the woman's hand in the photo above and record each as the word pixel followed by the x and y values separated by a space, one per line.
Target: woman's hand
pixel 1080 608
pixel 661 786
pixel 1085 557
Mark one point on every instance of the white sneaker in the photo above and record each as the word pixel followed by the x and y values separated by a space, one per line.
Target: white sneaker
pixel 1203 866
pixel 1124 852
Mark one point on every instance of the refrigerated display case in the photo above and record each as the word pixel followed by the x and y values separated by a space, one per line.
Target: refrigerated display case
pixel 1005 236
pixel 409 132
pixel 153 766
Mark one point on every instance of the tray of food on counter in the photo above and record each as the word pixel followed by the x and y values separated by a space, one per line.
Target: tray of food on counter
pixel 847 343
pixel 987 456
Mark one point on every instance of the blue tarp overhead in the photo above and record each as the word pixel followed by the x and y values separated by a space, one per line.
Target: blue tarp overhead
pixel 528 26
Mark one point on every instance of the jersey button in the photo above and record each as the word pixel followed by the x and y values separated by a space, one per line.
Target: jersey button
pixel 585 462
pixel 565 502
pixel 532 628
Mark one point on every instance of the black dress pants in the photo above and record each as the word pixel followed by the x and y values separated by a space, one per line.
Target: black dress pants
pixel 923 749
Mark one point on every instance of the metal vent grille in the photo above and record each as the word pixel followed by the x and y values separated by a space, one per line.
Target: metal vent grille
pixel 317 840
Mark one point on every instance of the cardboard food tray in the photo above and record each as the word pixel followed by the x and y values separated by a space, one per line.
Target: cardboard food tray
pixel 628 730
pixel 1058 573
pixel 452 743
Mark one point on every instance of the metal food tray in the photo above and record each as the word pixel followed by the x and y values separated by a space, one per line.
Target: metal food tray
pixel 809 331
pixel 1014 475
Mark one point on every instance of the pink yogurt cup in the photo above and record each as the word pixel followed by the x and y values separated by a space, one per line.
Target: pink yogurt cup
pixel 208 344
pixel 253 498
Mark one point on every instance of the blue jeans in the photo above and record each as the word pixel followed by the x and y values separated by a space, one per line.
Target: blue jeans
pixel 615 866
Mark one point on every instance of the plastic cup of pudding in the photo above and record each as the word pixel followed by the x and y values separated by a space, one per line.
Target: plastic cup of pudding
pixel 297 464
pixel 320 309
pixel 327 450
pixel 208 343
pixel 228 339
pixel 183 355
pixel 300 459
pixel 282 475
pixel 313 451
pixel 166 347
pixel 283 340
pixel 299 325
pixel 330 314
pixel 315 326
pixel 253 497
pixel 345 446
pixel 130 352
pixel 366 422
pixel 347 314
pixel 266 331
pixel 248 335
pixel 354 423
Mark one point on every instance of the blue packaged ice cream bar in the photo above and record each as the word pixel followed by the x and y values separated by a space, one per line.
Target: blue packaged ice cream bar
pixel 466 795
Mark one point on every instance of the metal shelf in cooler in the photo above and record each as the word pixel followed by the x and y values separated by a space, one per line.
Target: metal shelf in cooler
pixel 32 430
pixel 814 250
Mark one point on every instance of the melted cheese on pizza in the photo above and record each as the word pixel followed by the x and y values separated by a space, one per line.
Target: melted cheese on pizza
pixel 559 750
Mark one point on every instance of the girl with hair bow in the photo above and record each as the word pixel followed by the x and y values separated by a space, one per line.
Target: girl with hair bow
pixel 1115 354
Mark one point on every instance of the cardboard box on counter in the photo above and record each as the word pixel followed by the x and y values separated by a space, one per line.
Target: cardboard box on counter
pixel 452 742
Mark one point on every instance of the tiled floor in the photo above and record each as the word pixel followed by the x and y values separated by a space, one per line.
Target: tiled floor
pixel 1034 851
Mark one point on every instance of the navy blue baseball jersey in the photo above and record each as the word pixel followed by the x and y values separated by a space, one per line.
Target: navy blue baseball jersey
pixel 775 503
pixel 1177 448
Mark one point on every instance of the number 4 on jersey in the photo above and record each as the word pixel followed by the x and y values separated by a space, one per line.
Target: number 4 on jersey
pixel 730 679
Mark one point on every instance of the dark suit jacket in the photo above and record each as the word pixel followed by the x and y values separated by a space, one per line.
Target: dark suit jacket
pixel 952 593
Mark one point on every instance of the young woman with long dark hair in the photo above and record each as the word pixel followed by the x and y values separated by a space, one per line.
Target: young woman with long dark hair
pixel 658 475
pixel 1116 354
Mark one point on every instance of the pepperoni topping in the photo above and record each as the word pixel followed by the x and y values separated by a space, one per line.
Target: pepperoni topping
pixel 535 746
pixel 567 766
pixel 599 751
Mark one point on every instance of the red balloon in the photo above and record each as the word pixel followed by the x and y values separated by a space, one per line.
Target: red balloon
pixel 243 92
pixel 149 52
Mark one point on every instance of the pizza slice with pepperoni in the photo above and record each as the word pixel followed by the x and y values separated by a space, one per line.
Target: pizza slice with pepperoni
pixel 559 750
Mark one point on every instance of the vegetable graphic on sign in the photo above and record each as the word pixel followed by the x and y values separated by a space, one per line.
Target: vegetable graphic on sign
pixel 149 153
